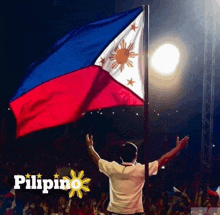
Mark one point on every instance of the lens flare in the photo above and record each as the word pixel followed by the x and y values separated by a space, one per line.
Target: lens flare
pixel 165 59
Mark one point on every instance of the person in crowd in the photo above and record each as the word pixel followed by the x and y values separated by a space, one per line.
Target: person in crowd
pixel 127 179
pixel 62 205
pixel 101 205
pixel 45 208
pixel 30 209
pixel 75 208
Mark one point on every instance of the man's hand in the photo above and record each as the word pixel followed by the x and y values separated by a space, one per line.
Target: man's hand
pixel 181 144
pixel 177 141
pixel 91 150
pixel 89 140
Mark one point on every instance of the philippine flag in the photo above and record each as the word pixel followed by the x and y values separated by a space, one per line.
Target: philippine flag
pixel 96 66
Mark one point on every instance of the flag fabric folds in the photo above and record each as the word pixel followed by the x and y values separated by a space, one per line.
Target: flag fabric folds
pixel 96 66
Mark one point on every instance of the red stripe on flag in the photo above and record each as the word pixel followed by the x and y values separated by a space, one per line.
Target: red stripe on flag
pixel 64 99
pixel 9 195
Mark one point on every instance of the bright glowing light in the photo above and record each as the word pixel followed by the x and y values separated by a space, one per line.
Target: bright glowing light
pixel 165 59
pixel 163 167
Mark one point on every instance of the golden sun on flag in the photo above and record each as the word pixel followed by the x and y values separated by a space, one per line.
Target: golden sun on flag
pixel 77 184
pixel 122 55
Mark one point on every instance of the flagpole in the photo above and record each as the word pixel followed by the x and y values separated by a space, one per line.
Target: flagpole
pixel 146 111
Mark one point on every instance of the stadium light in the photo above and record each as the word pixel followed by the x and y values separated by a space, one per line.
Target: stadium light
pixel 165 59
pixel 168 57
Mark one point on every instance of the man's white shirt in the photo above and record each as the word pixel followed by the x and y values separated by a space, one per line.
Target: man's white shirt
pixel 126 182
pixel 218 191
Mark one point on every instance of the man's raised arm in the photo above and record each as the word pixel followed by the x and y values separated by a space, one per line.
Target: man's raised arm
pixel 171 154
pixel 91 150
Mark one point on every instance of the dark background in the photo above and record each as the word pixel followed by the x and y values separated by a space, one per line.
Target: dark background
pixel 30 28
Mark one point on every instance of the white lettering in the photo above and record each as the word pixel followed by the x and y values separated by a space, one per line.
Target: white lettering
pixel 39 184
pixel 64 184
pixel 33 177
pixel 28 184
pixel 19 179
pixel 56 184
pixel 47 184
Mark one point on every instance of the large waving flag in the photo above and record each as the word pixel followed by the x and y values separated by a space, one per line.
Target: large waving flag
pixel 96 66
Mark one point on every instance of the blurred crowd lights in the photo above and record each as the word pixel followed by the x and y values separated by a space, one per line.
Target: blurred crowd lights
pixel 136 113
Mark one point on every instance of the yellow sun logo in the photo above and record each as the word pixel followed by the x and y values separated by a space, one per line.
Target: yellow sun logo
pixel 77 183
pixel 121 56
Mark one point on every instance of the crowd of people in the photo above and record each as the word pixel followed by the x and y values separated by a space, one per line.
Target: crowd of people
pixel 173 202
pixel 180 200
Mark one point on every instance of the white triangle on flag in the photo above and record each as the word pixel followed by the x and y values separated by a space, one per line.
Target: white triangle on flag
pixel 122 57
pixel 176 190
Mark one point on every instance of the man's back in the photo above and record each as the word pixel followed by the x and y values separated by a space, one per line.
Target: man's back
pixel 126 180
pixel 126 184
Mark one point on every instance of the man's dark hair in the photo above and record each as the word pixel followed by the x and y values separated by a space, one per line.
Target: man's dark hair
pixel 128 152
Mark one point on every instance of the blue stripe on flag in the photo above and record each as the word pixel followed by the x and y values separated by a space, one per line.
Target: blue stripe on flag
pixel 77 50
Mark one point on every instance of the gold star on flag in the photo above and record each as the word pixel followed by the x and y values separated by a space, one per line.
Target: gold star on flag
pixel 28 175
pixel 56 175
pixel 130 82
pixel 133 27
pixel 39 175
pixel 102 61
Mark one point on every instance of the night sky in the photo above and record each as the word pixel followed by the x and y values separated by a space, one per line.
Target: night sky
pixel 30 28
